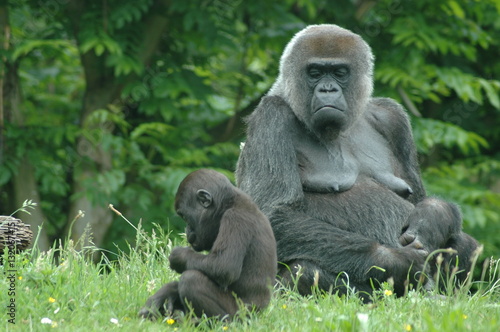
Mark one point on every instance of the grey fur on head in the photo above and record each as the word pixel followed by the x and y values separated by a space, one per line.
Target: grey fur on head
pixel 324 41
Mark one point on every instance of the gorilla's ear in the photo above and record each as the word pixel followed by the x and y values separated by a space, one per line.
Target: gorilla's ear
pixel 204 197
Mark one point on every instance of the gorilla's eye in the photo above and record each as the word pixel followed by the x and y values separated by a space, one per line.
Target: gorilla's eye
pixel 314 72
pixel 341 72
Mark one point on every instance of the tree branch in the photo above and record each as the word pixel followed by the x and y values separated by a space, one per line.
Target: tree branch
pixel 407 101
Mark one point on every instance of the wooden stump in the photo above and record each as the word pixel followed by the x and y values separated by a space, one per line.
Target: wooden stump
pixel 14 234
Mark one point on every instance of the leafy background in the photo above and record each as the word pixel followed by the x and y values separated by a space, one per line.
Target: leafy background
pixel 116 101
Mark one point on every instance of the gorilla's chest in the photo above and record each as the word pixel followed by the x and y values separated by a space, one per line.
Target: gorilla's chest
pixel 323 170
pixel 338 166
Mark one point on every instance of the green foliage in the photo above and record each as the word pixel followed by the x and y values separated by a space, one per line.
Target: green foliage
pixel 129 12
pixel 114 32
pixel 429 133
pixel 28 46
pixel 181 109
pixel 63 289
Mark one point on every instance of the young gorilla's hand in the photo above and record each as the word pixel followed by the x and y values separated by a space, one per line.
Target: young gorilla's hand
pixel 431 224
pixel 162 303
pixel 422 235
pixel 409 239
pixel 178 258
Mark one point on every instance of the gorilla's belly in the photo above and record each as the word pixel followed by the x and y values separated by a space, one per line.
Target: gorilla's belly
pixel 367 208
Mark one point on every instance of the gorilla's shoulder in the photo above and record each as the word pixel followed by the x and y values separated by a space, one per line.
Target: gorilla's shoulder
pixel 387 110
pixel 273 100
pixel 271 107
pixel 388 104
pixel 275 104
pixel 388 117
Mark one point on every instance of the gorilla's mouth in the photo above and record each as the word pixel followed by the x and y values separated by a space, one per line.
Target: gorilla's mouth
pixel 191 236
pixel 328 108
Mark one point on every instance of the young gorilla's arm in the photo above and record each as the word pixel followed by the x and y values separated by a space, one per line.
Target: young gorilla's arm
pixel 223 264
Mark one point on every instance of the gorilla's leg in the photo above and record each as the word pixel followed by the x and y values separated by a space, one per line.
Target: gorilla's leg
pixel 461 262
pixel 204 296
pixel 163 302
pixel 306 275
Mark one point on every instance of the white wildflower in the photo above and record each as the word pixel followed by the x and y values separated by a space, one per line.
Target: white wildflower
pixel 46 320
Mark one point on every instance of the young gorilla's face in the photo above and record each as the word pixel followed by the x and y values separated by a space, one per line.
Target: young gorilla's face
pixel 190 228
pixel 197 209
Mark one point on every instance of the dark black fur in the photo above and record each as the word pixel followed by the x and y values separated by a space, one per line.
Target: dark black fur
pixel 242 259
pixel 336 172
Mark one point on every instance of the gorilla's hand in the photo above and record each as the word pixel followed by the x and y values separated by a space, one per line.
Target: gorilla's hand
pixel 411 240
pixel 409 264
pixel 178 258
pixel 421 236
pixel 399 264
pixel 163 302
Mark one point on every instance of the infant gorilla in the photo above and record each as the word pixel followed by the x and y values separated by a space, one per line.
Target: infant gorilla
pixel 242 261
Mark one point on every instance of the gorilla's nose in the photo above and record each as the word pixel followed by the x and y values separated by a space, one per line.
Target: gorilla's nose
pixel 328 87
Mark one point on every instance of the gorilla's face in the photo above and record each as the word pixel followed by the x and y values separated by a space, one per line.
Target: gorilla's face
pixel 202 226
pixel 327 81
pixel 326 77
pixel 201 208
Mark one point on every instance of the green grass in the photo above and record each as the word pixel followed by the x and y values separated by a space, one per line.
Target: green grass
pixel 64 286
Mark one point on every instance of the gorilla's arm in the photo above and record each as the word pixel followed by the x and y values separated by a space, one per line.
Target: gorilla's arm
pixel 268 172
pixel 390 119
pixel 224 263
pixel 267 167
pixel 434 223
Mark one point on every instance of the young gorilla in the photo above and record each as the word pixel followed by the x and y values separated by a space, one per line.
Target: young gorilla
pixel 242 260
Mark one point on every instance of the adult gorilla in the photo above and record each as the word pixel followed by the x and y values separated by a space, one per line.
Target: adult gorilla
pixel 335 170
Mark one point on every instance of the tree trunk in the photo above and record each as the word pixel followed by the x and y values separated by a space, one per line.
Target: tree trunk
pixel 102 89
pixel 95 160
pixel 24 182
pixel 25 187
